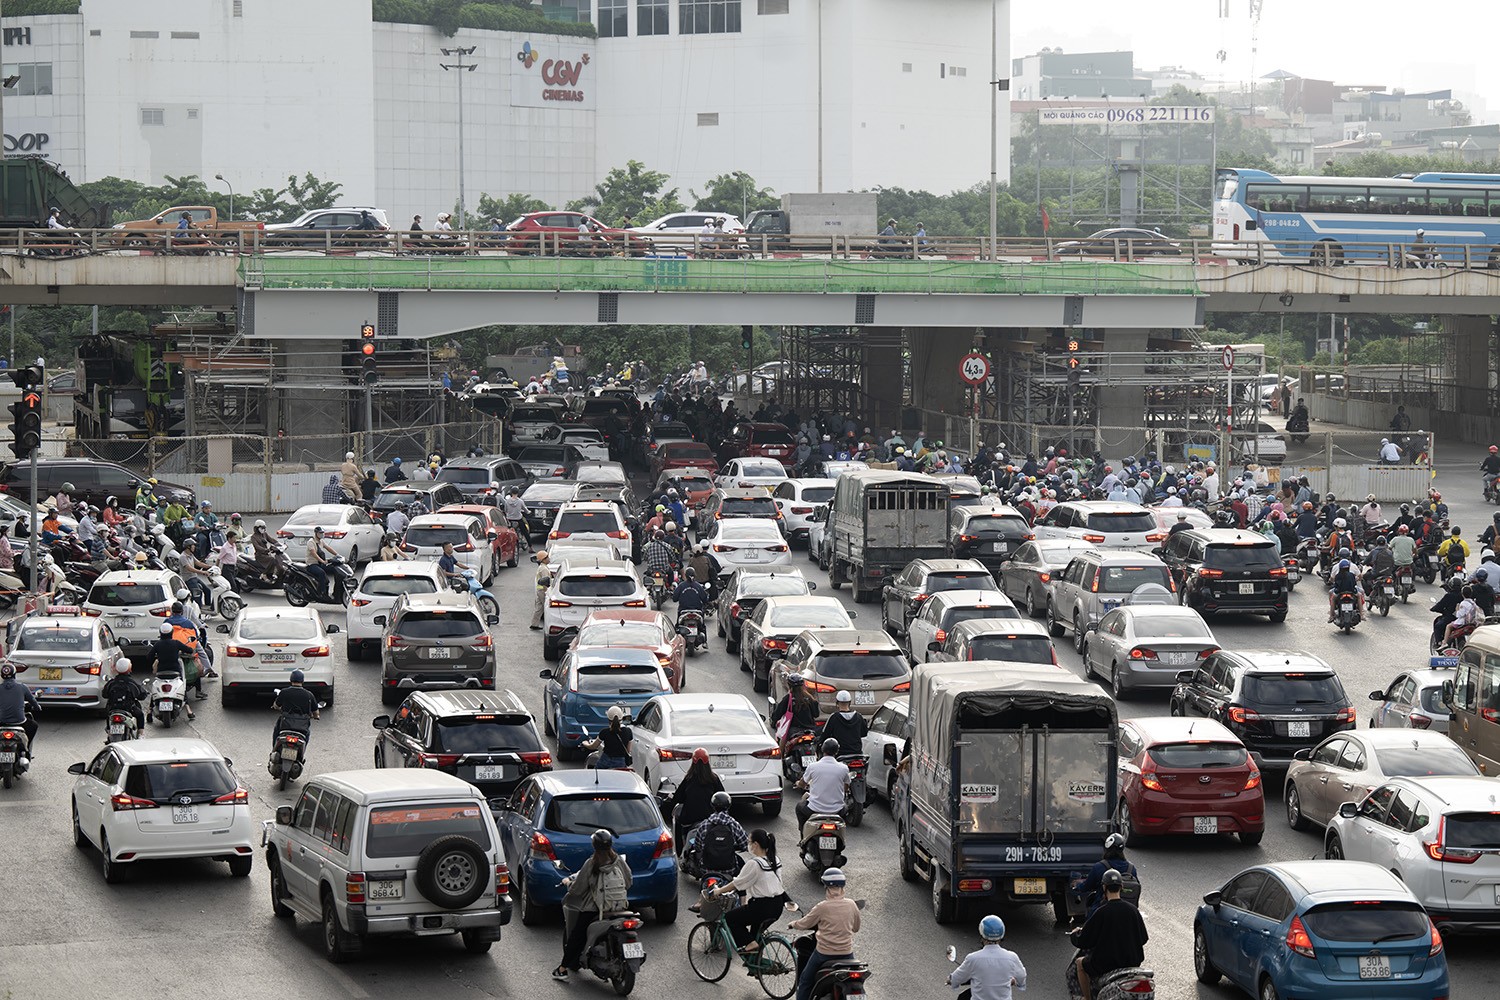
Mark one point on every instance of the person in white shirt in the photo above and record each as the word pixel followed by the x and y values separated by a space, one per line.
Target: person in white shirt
pixel 827 781
pixel 443 225
pixel 1389 453
pixel 760 881
pixel 1172 499
pixel 1211 482
pixel 1371 511
pixel 397 520
pixel 421 473
pixel 991 972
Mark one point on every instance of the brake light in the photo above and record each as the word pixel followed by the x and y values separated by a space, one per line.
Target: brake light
pixel 361 602
pixel 354 887
pixel 438 759
pixel 315 651
pixel 828 827
pixel 1419 721
pixel 635 604
pixel 1093 538
pixel 1346 714
pixel 88 670
pixel 735 610
pixel 1279 571
pixel 773 644
pixel 1212 574
pixel 630 924
pixel 116 718
pixel 9 734
pixel 723 548
pixel 662 753
pixel 902 687
pixel 774 753
pixel 802 510
pixel 1298 940
pixel 559 604
pixel 1204 654
pixel 663 844
pixel 616 534
pixel 502 879
pixel 125 803
pixel 941 635
pixel 968 538
pixel 334 534
pixel 283 533
pixel 1148 776
pixel 1158 537
pixel 537 758
pixel 817 688
pixel 160 612
pixel 1253 781
pixel 1243 715
pixel 541 847
pixel 1044 577
pixel 558 534
pixel 964 885
pixel 1438 851
pixel 1434 940
pixel 238 797
pixel 1142 653
pixel 776 548
pixel 392 641
pixel 239 651
pixel 919 598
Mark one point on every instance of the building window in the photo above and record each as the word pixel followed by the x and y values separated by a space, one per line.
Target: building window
pixel 1299 155
pixel 153 116
pixel 710 118
pixel 957 71
pixel 568 11
pixel 708 17
pixel 192 114
pixel 651 17
pixel 773 7
pixel 145 34
pixel 184 34
pixel 239 8
pixel 32 79
pixel 95 33
pixel 613 18
pixel 906 67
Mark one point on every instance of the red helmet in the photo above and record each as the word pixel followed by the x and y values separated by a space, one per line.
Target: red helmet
pixel 700 754
pixel 1402 530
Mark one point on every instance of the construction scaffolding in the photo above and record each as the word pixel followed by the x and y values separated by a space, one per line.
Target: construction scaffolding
pixel 824 369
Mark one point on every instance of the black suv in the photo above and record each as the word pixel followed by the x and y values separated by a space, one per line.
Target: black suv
pixel 93 481
pixel 487 738
pixel 1225 569
pixel 987 533
pixel 432 493
pixel 1276 702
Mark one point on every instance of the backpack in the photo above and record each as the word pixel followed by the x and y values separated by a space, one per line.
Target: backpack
pixel 612 890
pixel 716 847
pixel 187 636
pixel 1455 555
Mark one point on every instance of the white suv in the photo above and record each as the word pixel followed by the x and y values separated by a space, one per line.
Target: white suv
pixel 378 589
pixel 409 852
pixel 1438 835
pixel 600 520
pixel 1109 524
pixel 425 536
pixel 134 603
pixel 578 590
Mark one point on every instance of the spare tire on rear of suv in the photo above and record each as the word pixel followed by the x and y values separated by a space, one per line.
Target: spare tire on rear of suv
pixel 452 872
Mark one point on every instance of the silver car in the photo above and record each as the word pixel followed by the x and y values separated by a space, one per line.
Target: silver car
pixel 1414 700
pixel 1346 766
pixel 1096 583
pixel 1145 646
pixel 1026 577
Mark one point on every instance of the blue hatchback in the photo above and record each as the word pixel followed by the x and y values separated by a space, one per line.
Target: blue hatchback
pixel 582 689
pixel 1319 929
pixel 551 816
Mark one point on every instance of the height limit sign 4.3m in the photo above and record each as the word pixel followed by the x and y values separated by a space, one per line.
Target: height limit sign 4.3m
pixel 974 368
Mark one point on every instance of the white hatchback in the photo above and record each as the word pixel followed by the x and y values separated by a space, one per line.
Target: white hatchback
pixel 745 473
pixel 591 520
pixel 133 603
pixel 747 541
pixel 581 588
pixel 426 535
pixel 799 499
pixel 161 798
pixel 378 589
pixel 348 531
pixel 742 751
pixel 266 644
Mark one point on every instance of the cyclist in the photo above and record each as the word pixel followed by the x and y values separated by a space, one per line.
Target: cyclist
pixel 760 881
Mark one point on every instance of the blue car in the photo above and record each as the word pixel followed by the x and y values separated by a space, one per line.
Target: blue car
pixel 551 816
pixel 1300 930
pixel 580 691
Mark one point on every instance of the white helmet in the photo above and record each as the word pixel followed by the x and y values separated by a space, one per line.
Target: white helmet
pixel 1339 522
pixel 123 665
pixel 348 456
pixel 259 523
pixel 615 713
pixel 183 594
pixel 166 628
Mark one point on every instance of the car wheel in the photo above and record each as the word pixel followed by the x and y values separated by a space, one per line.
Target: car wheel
pixel 1116 686
pixel 338 945
pixel 530 913
pixel 547 728
pixel 239 866
pixel 1249 839
pixel 1207 973
pixel 1054 627
pixel 79 840
pixel 476 945
pixel 1294 817
pixel 731 644
pixel 1268 990
pixel 771 808
pixel 1080 637
pixel 1127 824
pixel 666 911
pixel 1333 850
pixel 906 860
pixel 113 872
pixel 944 906
pixel 379 755
pixel 354 557
pixel 515 556
pixel 1034 609
pixel 278 887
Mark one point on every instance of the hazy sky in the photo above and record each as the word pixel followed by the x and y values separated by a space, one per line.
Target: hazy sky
pixel 1389 42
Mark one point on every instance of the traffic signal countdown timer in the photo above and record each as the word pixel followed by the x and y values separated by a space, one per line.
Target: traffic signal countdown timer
pixel 26 420
pixel 369 367
pixel 1074 363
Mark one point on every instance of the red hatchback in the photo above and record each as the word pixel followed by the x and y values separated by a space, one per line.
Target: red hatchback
pixel 683 455
pixel 551 232
pixel 1188 776
pixel 502 536
pixel 761 440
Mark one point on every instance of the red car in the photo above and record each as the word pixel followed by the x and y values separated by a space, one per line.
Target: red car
pixel 761 440
pixel 549 232
pixel 1188 776
pixel 502 536
pixel 683 455
pixel 649 630
pixel 693 483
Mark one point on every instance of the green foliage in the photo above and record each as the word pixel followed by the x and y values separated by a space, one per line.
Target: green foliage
pixel 1397 351
pixel 1378 164
pixel 37 8
pixel 505 209
pixel 53 332
pixel 132 200
pixel 629 190
pixel 664 348
pixel 448 16
pixel 734 192
pixel 962 213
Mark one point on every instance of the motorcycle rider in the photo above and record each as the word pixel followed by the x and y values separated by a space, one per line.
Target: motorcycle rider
pixel 1113 937
pixel 1466 616
pixel 1403 548
pixel 263 547
pixel 1382 564
pixel 1092 886
pixel 691 595
pixel 836 918
pixel 515 515
pixel 992 971
pixel 659 557
pixel 398 519
pixel 394 472
pixel 298 708
pixel 1453 551
pixel 692 803
pixel 1445 607
pixel 448 564
pixel 1484 593
pixel 599 886
pixel 390 548
pixel 1371 512
pixel 614 743
pixel 333 492
pixel 827 782
pixel 846 726
pixel 369 487
pixel 123 693
pixel 18 706
pixel 802 706
pixel 719 838
pixel 1491 466
pixel 318 554
pixel 170 656
pixel 1338 539
pixel 1345 581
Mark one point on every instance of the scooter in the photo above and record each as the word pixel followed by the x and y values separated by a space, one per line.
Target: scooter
pixel 1423 563
pixel 1293 571
pixel 166 698
pixel 223 601
pixel 1346 613
pixel 690 625
pixel 1307 554
pixel 613 950
pixel 854 799
pixel 290 753
pixel 1406 582
pixel 822 844
pixel 301 587
pixel 657 590
pixel 250 575
pixel 843 979
pixel 1121 984
pixel 800 751
pixel 487 601
pixel 1491 489
pixel 15 754
pixel 1383 594
pixel 119 726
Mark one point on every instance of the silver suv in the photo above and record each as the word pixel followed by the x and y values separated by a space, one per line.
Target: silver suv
pixel 1094 584
pixel 433 642
pixel 411 852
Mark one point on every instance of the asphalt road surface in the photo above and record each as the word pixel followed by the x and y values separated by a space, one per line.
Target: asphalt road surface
pixel 186 929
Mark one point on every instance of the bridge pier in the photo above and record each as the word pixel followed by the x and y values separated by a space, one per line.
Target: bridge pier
pixel 1470 344
pixel 1123 406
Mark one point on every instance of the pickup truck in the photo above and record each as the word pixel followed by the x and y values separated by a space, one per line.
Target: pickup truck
pixel 203 222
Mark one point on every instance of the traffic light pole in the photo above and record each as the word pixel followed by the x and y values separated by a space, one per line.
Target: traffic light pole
pixel 36 530
pixel 370 426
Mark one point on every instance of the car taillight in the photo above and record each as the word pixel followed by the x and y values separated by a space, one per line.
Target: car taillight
pixel 1158 537
pixel 92 612
pixel 334 534
pixel 662 753
pixel 773 644
pixel 776 548
pixel 773 753
pixel 438 759
pixel 361 602
pixel 635 604
pixel 1252 780
pixel 160 612
pixel 559 604
pixel 485 641
pixel 315 651
pixel 1044 577
pixel 1142 653
pixel 723 548
pixel 1419 721
pixel 558 534
pixel 238 797
pixel 1093 538
pixel 1346 714
pixel 502 879
pixel 1278 571
pixel 1438 851
pixel 1298 940
pixel 941 635
pixel 239 651
pixel 1148 776
pixel 1210 574
pixel 802 510
pixel 919 598
pixel 663 844
pixel 125 803
pixel 1434 940
pixel 88 669
pixel 392 641
pixel 1204 654
pixel 616 534
pixel 283 533
pixel 541 847
pixel 1243 715
pixel 902 687
pixel 354 887
pixel 537 758
pixel 735 610
pixel 968 538
pixel 817 688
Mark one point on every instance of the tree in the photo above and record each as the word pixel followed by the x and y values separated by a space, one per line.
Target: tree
pixel 736 192
pixel 309 192
pixel 506 209
pixel 629 190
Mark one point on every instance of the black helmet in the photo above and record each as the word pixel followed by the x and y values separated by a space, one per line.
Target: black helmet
pixel 830 747
pixel 602 838
pixel 720 801
pixel 7 671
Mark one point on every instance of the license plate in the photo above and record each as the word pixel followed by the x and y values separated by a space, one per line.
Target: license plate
pixel 386 889
pixel 722 761
pixel 439 653
pixel 278 657
pixel 828 843
pixel 1247 588
pixel 288 753
pixel 7 757
pixel 125 622
pixel 633 949
pixel 489 772
pixel 864 697
pixel 1031 887
pixel 49 674
pixel 752 555
pixel 163 706
pixel 1390 590
pixel 118 729
pixel 1175 658
pixel 807 760
pixel 1374 967
pixel 1205 824
pixel 1299 729
pixel 184 814
pixel 1347 606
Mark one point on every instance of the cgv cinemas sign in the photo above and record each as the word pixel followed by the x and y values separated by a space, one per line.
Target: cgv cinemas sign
pixel 545 79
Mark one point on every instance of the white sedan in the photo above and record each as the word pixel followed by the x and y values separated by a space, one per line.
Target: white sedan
pixel 347 530
pixel 741 750
pixel 798 500
pixel 266 644
pixel 161 798
pixel 745 473
pixel 746 541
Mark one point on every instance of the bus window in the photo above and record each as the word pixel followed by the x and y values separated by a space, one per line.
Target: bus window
pixel 1473 203
pixel 1463 682
pixel 1489 689
pixel 1337 199
pixel 1389 202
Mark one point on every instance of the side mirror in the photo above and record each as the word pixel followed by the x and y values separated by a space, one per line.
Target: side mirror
pixel 77 768
pixel 1184 677
pixel 853 614
pixel 222 629
pixel 331 629
pixel 492 619
pixel 1160 551
pixel 814 586
pixel 380 620
pixel 545 673
pixel 283 815
pixel 952 953
pixel 493 536
pixel 533 558
pixel 381 722
pixel 934 647
pixel 1448 690
pixel 888 755
pixel 1377 696
pixel 1348 810
pixel 1212 899
pixel 1304 754
pixel 1091 627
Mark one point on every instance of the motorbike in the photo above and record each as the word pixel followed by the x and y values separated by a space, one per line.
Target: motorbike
pixel 252 577
pixel 222 601
pixel 301 587
pixel 657 589
pixel 1383 594
pixel 1293 571
pixel 15 757
pixel 1447 570
pixel 854 799
pixel 614 951
pixel 485 599
pixel 1346 613
pixel 1307 554
pixel 1296 426
pixel 119 726
pixel 1121 984
pixel 690 625
pixel 801 750
pixel 843 979
pixel 290 753
pixel 822 845
pixel 1423 563
pixel 1491 489
pixel 1406 582
pixel 166 698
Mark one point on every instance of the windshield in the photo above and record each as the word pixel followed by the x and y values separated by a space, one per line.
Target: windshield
pixel 1293 689
pixel 1195 755
pixel 766 585
pixel 1173 627
pixel 1414 762
pixel 312 517
pixel 955 615
pixel 1016 648
pixel 809 617
pixel 1261 557
pixel 601 474
pixel 278 628
pixel 395 586
pixel 200 780
pixel 625 678
pixel 448 474
pixel 576 522
pixel 997 524
pixel 596 585
pixel 617 814
pixel 126 594
pixel 1122 521
pixel 620 634
pixel 476 734
pixel 749 507
pixel 771 435
pixel 433 537
pixel 817 494
pixel 702 722
pixel 542 454
pixel 438 625
pixel 970 580
pixel 1368 920
pixel 405 831
pixel 55 638
pixel 860 666
pixel 1480 830
pixel 1124 579
pixel 691 484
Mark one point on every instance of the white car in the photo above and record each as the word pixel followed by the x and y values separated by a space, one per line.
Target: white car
pixel 266 644
pixel 134 603
pixel 837 467
pixel 425 537
pixel 679 228
pixel 13 511
pixel 799 499
pixel 1107 524
pixel 378 589
pixel 161 798
pixel 1270 442
pixel 588 440
pixel 348 531
pixel 582 550
pixel 745 541
pixel 744 473
pixel 64 656
pixel 887 729
pixel 742 751
pixel 581 588
pixel 946 609
pixel 591 520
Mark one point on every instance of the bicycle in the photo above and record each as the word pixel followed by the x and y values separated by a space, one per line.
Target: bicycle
pixel 711 949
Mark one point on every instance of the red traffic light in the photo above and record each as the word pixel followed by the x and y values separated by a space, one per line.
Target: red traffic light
pixel 368 350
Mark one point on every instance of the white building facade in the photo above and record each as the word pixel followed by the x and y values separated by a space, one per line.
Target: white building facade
pixel 804 95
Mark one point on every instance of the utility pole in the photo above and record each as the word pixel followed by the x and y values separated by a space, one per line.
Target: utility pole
pixel 462 67
pixel 994 104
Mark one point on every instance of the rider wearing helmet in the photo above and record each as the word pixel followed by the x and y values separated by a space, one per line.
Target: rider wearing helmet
pixel 992 971
pixel 18 705
pixel 692 802
pixel 836 919
pixel 802 705
pixel 394 473
pixel 1453 551
pixel 1403 547
pixel 719 838
pixel 614 743
pixel 1345 581
pixel 1114 937
pixel 123 693
pixel 1113 860
pixel 1445 607
pixel 827 782
pixel 600 886
pixel 298 708
pixel 1491 466
pixel 846 725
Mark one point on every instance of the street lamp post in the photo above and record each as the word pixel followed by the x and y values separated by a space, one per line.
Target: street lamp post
pixel 463 67
pixel 220 177
pixel 994 103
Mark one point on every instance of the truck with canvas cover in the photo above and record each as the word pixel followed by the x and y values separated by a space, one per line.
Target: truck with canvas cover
pixel 878 522
pixel 1012 788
